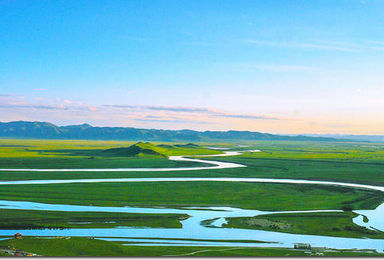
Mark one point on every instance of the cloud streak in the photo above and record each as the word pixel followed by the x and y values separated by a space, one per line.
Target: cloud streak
pixel 305 45
pixel 62 112
pixel 251 117
pixel 159 108
pixel 205 111
pixel 128 115
pixel 286 68
pixel 321 45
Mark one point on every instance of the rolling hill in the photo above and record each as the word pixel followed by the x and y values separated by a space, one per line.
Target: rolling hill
pixel 161 150
pixel 139 149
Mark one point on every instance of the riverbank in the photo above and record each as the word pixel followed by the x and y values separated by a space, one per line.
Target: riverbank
pixel 80 202
pixel 71 246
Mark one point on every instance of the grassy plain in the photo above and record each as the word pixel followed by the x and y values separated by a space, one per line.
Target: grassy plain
pixel 36 219
pixel 262 196
pixel 21 148
pixel 347 162
pixel 89 154
pixel 351 162
pixel 337 224
pixel 95 247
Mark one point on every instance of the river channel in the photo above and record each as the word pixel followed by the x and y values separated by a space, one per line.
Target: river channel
pixel 193 232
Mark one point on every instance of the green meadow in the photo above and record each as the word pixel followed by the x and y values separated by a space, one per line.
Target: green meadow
pixel 37 219
pixel 70 246
pixel 337 224
pixel 90 154
pixel 261 196
pixel 345 162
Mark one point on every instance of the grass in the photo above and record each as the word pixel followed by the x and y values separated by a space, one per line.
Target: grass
pixel 336 151
pixel 68 148
pixel 345 162
pixel 35 219
pixel 310 169
pixel 335 224
pixel 353 172
pixel 45 155
pixel 90 162
pixel 67 247
pixel 262 196
pixel 95 247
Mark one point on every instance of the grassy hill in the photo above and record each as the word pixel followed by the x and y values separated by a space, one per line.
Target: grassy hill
pixel 139 149
pixel 161 150
pixel 76 154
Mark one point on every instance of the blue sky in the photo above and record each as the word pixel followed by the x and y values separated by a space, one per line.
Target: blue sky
pixel 272 66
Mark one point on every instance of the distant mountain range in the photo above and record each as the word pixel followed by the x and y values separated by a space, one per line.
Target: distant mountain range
pixel 367 138
pixel 44 130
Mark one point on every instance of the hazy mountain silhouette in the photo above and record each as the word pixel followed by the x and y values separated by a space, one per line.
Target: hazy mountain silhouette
pixel 44 130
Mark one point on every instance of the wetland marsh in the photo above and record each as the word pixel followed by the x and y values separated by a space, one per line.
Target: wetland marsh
pixel 237 193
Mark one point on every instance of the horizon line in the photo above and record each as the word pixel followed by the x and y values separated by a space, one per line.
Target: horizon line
pixel 201 131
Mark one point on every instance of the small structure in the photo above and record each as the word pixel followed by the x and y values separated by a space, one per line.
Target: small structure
pixel 18 236
pixel 302 246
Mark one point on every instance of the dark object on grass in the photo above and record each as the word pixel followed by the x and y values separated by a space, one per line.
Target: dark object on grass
pixel 18 236
pixel 347 208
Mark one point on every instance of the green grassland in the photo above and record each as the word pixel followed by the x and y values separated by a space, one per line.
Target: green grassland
pixel 94 162
pixel 346 162
pixel 336 151
pixel 70 246
pixel 52 148
pixel 89 162
pixel 267 197
pixel 88 154
pixel 35 219
pixel 67 247
pixel 353 172
pixel 262 196
pixel 338 224
pixel 307 169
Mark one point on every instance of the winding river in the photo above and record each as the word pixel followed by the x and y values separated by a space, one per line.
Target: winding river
pixel 193 231
pixel 216 165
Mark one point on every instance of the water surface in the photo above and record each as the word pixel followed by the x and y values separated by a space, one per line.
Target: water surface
pixel 192 228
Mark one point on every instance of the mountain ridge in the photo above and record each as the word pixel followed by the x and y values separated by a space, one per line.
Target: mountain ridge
pixel 46 130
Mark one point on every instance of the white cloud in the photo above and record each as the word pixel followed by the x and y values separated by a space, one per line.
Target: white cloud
pixel 134 115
